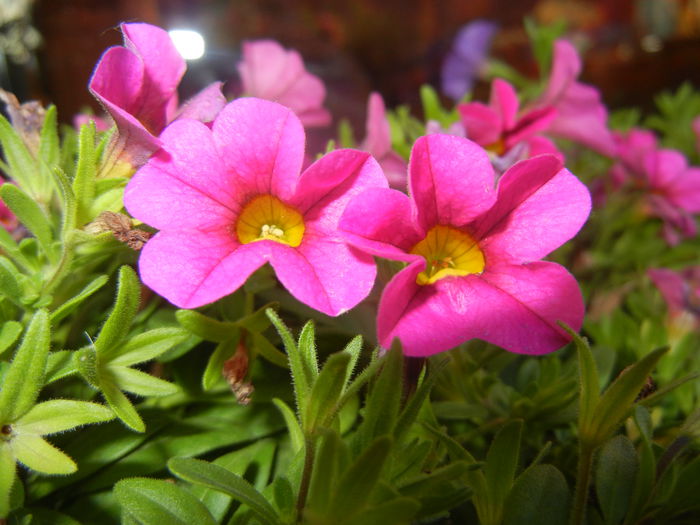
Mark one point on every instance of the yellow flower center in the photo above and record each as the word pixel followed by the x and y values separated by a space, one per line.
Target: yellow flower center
pixel 448 252
pixel 268 218
pixel 498 147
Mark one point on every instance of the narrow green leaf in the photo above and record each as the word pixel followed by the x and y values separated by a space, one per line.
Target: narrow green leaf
pixel 269 351
pixel 9 246
pixel 358 482
pixel 38 454
pixel 117 325
pixel 616 403
pixel 307 349
pixel 10 286
pixel 25 377
pixel 148 345
pixel 86 171
pixel 85 362
pixel 616 472
pixel 540 496
pixel 151 501
pixel 71 304
pixel 382 405
pixel 68 200
pixel 588 385
pixel 215 365
pixel 121 406
pixel 432 109
pixel 20 161
pixel 140 383
pixel 49 155
pixel 206 327
pixel 258 320
pixel 218 478
pixel 325 392
pixel 8 334
pixel 502 462
pixel 296 435
pixel 58 415
pixel 353 349
pixel 8 474
pixel 410 412
pixel 283 494
pixel 474 477
pixel 324 473
pixel 29 213
pixel 397 511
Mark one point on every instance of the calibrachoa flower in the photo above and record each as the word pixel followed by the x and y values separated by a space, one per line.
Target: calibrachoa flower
pixel 473 250
pixel 271 72
pixel 499 128
pixel 671 187
pixel 229 199
pixel 137 85
pixel 466 58
pixel 378 143
pixel 580 114
pixel 681 291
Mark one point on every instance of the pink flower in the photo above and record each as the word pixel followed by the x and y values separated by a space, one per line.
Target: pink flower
pixel 8 220
pixel 509 137
pixel 473 251
pixel 378 143
pixel 580 114
pixel 269 71
pixel 81 119
pixel 229 199
pixel 681 291
pixel 671 187
pixel 137 85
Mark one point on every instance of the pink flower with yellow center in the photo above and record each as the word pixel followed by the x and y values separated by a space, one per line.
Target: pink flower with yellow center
pixel 229 198
pixel 473 250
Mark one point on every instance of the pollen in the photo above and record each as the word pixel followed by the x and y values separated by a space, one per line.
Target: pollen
pixel 266 217
pixel 448 252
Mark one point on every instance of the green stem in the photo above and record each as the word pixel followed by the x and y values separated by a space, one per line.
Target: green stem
pixel 583 480
pixel 309 454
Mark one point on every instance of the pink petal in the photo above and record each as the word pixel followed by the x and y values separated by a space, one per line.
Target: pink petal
pixel 118 63
pixel 262 143
pixel 324 272
pixel 504 101
pixel 326 186
pixel 540 206
pixel 672 287
pixel 305 97
pixel 543 146
pixel 268 69
pixel 566 67
pixel 185 186
pixel 482 124
pixel 194 268
pixel 684 190
pixel 529 125
pixel 515 307
pixel 379 222
pixel 205 105
pixel 395 169
pixel 663 166
pixel 450 180
pixel 378 138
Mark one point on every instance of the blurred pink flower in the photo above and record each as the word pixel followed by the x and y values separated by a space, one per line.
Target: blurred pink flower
pixel 81 119
pixel 696 130
pixel 7 218
pixel 378 143
pixel 473 251
pixel 681 291
pixel 269 71
pixel 137 86
pixel 671 187
pixel 498 128
pixel 580 114
pixel 229 198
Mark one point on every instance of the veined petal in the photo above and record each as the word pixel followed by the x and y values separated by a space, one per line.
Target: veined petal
pixel 118 79
pixel 194 268
pixel 184 186
pixel 205 105
pixel 324 272
pixel 261 142
pixel 378 221
pixel 378 138
pixel 540 206
pixel 505 100
pixel 450 179
pixel 326 186
pixel 482 123
pixel 515 307
pixel 267 69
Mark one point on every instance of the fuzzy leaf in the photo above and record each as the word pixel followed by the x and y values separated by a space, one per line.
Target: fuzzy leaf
pixel 296 435
pixel 393 512
pixel 206 327
pixel 307 349
pixel 30 214
pixel 58 415
pixel 8 474
pixel 325 393
pixel 121 406
pixel 589 386
pixel 38 454
pixel 540 495
pixel 150 501
pixel 140 383
pixel 324 475
pixel 502 462
pixel 48 145
pixel 8 334
pixel 215 364
pixel 258 320
pixel 25 377
pixel 117 325
pixel 85 173
pixel 68 201
pixel 71 304
pixel 10 286
pixel 269 351
pixel 615 476
pixel 218 478
pixel 21 163
pixel 148 345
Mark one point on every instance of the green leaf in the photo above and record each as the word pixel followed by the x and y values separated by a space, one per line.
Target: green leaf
pixel 397 511
pixel 382 404
pixel 20 161
pixel 9 246
pixel 410 412
pixel 71 304
pixel 117 325
pixel 589 386
pixel 615 477
pixel 86 171
pixel 540 496
pixel 8 335
pixel 258 320
pixel 29 213
pixel 38 454
pixel 8 474
pixel 215 365
pixel 502 462
pixel 324 473
pixel 25 377
pixel 325 392
pixel 58 415
pixel 151 501
pixel 121 406
pixel 68 201
pixel 307 349
pixel 269 351
pixel 141 383
pixel 296 435
pixel 206 327
pixel 616 403
pixel 358 482
pixel 353 349
pixel 10 285
pixel 48 144
pixel 218 478
pixel 148 345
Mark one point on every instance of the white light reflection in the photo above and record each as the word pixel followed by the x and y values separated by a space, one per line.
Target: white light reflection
pixel 189 43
